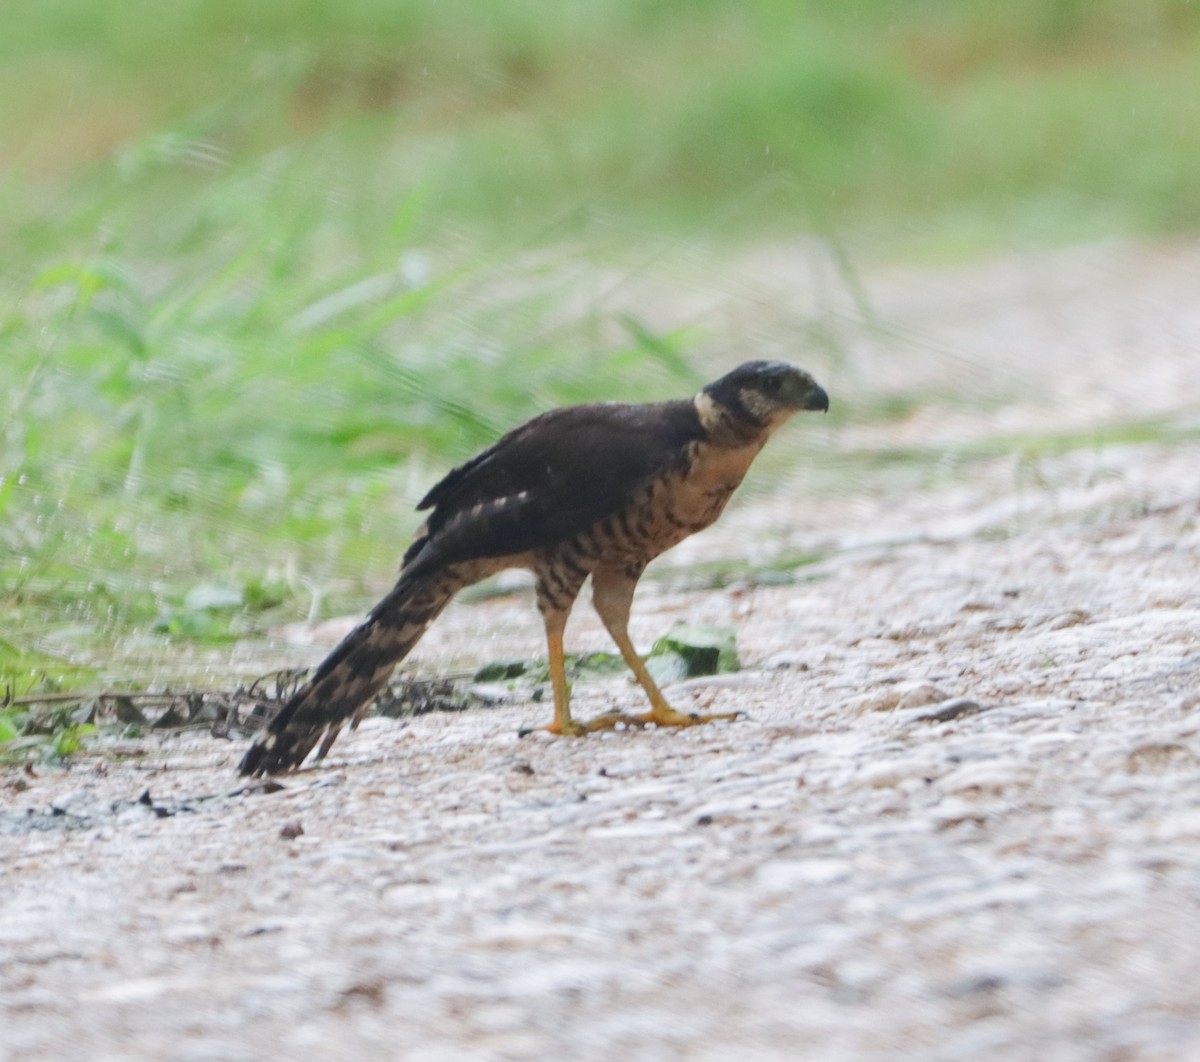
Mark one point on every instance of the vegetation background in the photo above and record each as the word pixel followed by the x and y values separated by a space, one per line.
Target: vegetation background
pixel 270 267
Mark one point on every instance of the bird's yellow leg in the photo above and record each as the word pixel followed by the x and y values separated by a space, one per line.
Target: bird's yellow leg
pixel 661 713
pixel 563 723
pixel 612 594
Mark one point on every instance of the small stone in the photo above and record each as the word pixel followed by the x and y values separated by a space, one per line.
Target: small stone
pixel 954 812
pixel 1159 756
pixel 371 993
pixel 261 929
pixel 787 658
pixel 291 830
pixel 954 708
pixel 191 933
pixel 880 701
pixel 918 694
pixel 902 695
pixel 976 984
pixel 80 804
pixel 890 773
pixel 1068 619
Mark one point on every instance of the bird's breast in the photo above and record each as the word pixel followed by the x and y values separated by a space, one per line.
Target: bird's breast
pixel 710 476
pixel 668 508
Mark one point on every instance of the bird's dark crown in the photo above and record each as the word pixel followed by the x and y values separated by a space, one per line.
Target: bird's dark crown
pixel 760 391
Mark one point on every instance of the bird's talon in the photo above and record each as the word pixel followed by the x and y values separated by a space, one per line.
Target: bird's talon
pixel 669 717
pixel 572 729
pixel 578 728
pixel 611 720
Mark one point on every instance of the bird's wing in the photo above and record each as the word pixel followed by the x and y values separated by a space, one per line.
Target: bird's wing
pixel 551 478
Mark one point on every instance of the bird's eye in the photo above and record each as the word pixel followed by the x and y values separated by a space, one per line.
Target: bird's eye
pixel 771 385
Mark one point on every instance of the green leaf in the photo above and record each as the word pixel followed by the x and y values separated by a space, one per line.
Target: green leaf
pixel 599 663
pixel 668 667
pixel 8 726
pixel 695 649
pixel 499 670
pixel 69 740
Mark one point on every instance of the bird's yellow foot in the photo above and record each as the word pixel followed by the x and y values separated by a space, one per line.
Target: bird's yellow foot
pixel 577 727
pixel 666 716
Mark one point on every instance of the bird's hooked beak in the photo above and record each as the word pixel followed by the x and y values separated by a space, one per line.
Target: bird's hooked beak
pixel 817 399
pixel 801 392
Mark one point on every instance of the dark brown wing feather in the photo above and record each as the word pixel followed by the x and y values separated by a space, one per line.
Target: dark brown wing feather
pixel 551 478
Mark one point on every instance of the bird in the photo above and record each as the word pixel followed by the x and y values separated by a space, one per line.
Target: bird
pixel 595 490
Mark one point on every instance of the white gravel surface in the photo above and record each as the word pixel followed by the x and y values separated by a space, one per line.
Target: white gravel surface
pixel 961 818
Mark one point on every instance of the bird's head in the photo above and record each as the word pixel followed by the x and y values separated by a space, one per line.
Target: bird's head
pixel 762 394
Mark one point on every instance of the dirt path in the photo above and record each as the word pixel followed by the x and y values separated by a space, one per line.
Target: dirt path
pixel 962 818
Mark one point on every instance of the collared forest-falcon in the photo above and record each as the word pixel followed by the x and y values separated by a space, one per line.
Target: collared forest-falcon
pixel 597 490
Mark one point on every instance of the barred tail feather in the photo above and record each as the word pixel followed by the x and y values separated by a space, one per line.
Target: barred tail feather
pixel 350 677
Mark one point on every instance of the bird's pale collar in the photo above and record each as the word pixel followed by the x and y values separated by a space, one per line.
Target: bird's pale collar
pixel 721 424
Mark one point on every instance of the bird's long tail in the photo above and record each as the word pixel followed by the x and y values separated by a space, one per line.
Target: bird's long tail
pixel 349 678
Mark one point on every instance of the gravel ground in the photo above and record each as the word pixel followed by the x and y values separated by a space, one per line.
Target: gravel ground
pixel 960 819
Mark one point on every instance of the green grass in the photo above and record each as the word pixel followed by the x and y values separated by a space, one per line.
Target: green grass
pixel 270 267
pixel 784 112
